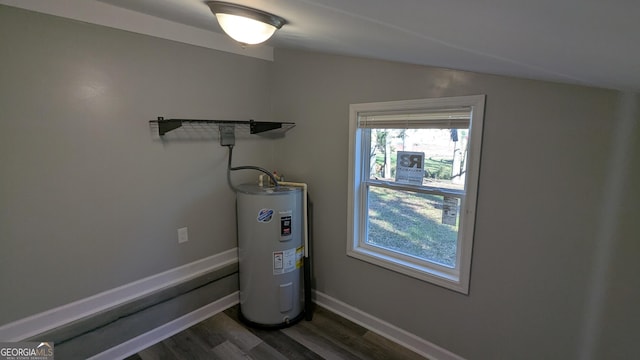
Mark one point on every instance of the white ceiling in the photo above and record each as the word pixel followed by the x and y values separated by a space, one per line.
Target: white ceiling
pixel 593 42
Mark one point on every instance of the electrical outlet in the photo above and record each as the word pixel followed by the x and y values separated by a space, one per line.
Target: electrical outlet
pixel 227 135
pixel 183 235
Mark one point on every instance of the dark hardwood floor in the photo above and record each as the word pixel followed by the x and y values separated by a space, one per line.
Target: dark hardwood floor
pixel 327 336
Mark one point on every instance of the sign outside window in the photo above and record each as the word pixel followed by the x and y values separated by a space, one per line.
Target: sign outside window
pixel 449 210
pixel 410 167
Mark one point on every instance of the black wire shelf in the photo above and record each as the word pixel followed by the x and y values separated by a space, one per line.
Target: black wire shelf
pixel 198 128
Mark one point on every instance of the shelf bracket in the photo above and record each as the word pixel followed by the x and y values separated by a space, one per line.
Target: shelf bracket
pixel 258 127
pixel 164 126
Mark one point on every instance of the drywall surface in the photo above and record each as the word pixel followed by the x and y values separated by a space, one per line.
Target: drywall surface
pixel 615 316
pixel 542 181
pixel 90 198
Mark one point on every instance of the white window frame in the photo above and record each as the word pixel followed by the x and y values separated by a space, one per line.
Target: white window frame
pixel 456 278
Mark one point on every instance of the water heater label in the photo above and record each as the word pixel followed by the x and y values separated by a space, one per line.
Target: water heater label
pixel 299 256
pixel 284 261
pixel 265 215
pixel 285 226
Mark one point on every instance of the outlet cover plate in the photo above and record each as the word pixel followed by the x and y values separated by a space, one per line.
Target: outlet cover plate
pixel 183 235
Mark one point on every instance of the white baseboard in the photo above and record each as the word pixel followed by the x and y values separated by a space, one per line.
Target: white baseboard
pixel 383 328
pixel 389 331
pixel 39 323
pixel 167 330
pixel 25 328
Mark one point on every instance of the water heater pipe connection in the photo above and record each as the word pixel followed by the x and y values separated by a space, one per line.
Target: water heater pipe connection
pixel 230 169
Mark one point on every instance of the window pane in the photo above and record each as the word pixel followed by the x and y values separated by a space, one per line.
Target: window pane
pixel 429 157
pixel 420 225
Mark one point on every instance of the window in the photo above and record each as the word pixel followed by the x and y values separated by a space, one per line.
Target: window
pixel 413 175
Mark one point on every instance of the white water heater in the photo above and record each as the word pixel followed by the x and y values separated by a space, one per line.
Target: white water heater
pixel 270 250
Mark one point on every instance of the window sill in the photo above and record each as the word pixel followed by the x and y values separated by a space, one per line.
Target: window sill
pixel 431 274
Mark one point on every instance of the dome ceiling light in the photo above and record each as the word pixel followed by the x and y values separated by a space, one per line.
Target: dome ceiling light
pixel 244 24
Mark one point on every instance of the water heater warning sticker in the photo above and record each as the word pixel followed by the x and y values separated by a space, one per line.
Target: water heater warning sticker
pixel 284 261
pixel 299 256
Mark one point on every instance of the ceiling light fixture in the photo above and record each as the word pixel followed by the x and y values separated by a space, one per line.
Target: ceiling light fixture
pixel 244 24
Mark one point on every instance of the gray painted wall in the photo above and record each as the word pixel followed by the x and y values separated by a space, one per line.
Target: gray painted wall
pixel 618 315
pixel 89 200
pixel 542 183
